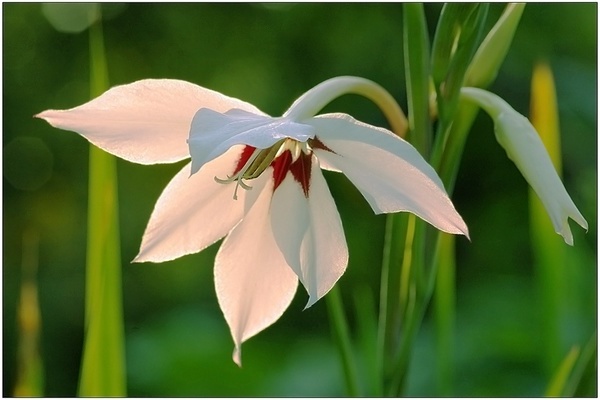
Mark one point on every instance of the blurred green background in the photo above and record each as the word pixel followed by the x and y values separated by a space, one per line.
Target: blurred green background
pixel 177 341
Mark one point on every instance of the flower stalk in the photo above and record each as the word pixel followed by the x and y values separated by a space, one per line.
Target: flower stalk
pixel 318 97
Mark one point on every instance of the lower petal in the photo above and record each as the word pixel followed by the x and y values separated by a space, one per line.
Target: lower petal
pixel 253 282
pixel 193 212
pixel 309 232
pixel 325 252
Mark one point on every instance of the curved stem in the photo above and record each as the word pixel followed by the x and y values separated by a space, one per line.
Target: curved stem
pixel 342 339
pixel 311 102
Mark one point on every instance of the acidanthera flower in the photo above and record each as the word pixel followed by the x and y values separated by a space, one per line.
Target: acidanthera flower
pixel 256 180
pixel 523 145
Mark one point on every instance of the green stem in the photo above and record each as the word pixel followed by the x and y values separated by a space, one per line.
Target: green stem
pixel 342 338
pixel 416 59
pixel 416 289
pixel 103 364
pixel 389 324
pixel 444 301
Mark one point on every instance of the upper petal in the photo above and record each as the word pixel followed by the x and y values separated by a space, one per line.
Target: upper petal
pixel 389 172
pixel 253 281
pixel 309 232
pixel 212 133
pixel 146 122
pixel 193 212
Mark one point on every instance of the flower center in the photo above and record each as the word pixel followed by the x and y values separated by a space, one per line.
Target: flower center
pixel 285 155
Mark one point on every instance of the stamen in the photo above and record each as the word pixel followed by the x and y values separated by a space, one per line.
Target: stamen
pixel 256 164
pixel 261 159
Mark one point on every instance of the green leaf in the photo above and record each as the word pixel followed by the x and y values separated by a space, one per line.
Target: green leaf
pixel 448 29
pixel 366 318
pixel 577 373
pixel 456 39
pixel 481 72
pixel 548 251
pixel 341 335
pixel 445 304
pixel 416 59
pixel 103 364
pixel 559 381
pixel 489 56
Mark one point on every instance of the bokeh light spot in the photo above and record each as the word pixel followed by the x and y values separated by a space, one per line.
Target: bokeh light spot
pixel 71 18
pixel 27 163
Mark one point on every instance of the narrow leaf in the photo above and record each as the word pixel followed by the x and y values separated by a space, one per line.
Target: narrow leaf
pixel 341 333
pixel 416 59
pixel 103 364
pixel 366 318
pixel 491 53
pixel 548 252
pixel 559 381
pixel 444 300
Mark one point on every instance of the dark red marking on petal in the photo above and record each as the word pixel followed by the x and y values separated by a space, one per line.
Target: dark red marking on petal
pixel 316 143
pixel 244 157
pixel 281 165
pixel 300 169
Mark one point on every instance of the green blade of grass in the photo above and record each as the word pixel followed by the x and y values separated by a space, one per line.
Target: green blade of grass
pixel 103 364
pixel 366 323
pixel 548 248
pixel 456 39
pixel 444 301
pixel 416 60
pixel 576 375
pixel 489 56
pixel 446 159
pixel 559 381
pixel 341 334
pixel 389 322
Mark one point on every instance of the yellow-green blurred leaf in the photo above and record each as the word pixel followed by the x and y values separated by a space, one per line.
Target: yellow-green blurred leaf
pixel 30 374
pixel 558 382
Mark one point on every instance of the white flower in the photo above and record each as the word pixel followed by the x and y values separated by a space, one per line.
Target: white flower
pixel 282 225
pixel 523 145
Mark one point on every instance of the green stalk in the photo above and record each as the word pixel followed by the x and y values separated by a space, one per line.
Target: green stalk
pixel 389 324
pixel 416 59
pixel 548 249
pixel 402 265
pixel 444 301
pixel 446 160
pixel 103 364
pixel 341 334
pixel 366 321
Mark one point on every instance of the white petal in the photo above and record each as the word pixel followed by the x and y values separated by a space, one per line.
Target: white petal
pixel 253 281
pixel 193 212
pixel 309 233
pixel 212 133
pixel 389 172
pixel 290 220
pixel 146 122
